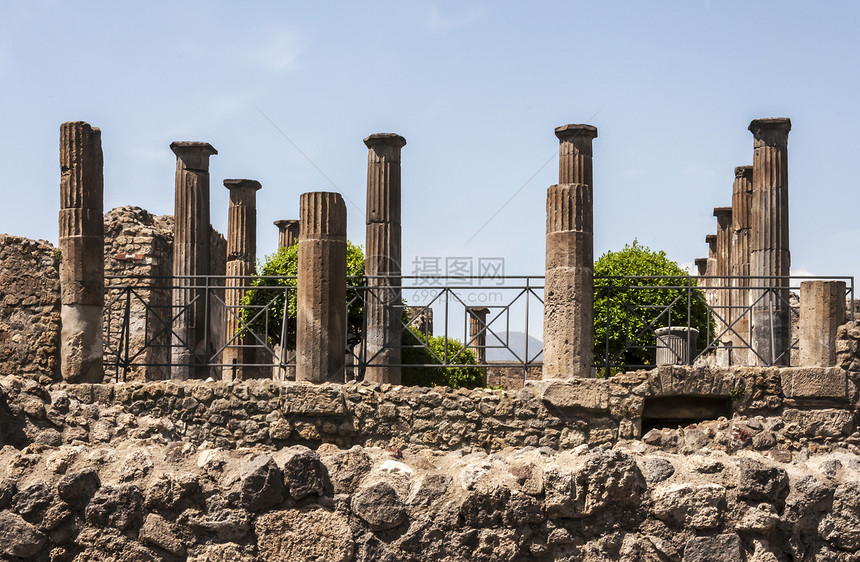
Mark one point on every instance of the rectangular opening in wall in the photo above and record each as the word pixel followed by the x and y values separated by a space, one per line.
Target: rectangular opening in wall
pixel 674 411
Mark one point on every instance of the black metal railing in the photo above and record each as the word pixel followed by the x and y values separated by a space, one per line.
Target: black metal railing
pixel 143 327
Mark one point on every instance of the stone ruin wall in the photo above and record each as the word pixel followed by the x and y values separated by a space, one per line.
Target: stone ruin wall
pixel 265 470
pixel 137 243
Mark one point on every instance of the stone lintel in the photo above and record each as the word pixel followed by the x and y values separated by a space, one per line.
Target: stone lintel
pixel 814 382
pixel 571 396
pixel 385 139
pixel 567 132
pixel 744 172
pixel 232 184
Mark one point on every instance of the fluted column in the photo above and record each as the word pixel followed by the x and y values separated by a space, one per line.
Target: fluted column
pixel 711 269
pixel 822 311
pixel 383 305
pixel 241 258
pixel 724 256
pixel 190 256
pixel 321 292
pixel 81 244
pixel 740 258
pixel 568 318
pixel 288 232
pixel 574 153
pixel 478 331
pixel 769 248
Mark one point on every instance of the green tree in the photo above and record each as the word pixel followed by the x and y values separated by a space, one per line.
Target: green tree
pixel 627 311
pixel 283 266
pixel 420 351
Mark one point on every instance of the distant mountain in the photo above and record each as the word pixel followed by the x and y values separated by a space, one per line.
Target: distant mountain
pixel 516 344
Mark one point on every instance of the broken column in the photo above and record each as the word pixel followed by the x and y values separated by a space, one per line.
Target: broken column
pixel 190 257
pixel 478 331
pixel 740 259
pixel 822 311
pixel 288 233
pixel 383 306
pixel 321 293
pixel 241 259
pixel 81 245
pixel 568 318
pixel 769 249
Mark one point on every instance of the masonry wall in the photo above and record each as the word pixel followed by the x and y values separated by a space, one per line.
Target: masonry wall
pixel 29 308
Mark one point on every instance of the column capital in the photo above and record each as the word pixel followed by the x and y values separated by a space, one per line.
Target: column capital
pixel 385 139
pixel 283 224
pixel 723 212
pixel 744 172
pixel 192 155
pixel 570 131
pixel 771 130
pixel 242 184
pixel 478 310
pixel 701 264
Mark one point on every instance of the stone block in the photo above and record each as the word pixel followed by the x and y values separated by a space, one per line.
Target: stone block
pixel 811 382
pixel 571 396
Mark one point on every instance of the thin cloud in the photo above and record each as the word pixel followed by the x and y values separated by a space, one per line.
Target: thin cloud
pixel 439 23
pixel 276 52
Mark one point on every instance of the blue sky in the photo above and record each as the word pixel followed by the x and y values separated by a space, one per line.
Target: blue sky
pixel 475 87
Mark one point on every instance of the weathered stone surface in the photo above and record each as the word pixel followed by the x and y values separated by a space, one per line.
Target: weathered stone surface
pixel 32 502
pixel 568 293
pixel 690 506
pixel 383 306
pixel 288 232
pixel 740 260
pixel 575 153
pixel 347 468
pixel 120 507
pixel 321 316
pixel 19 539
pixel 379 505
pixel 284 535
pixel 578 395
pixel 478 331
pixel 609 478
pixel 156 531
pixel 656 470
pixel 840 526
pixel 76 488
pixel 304 472
pixel 803 382
pixel 717 548
pixel 759 482
pixel 822 423
pixel 262 484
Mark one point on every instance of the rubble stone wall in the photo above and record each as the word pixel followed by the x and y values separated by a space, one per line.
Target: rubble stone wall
pixel 260 470
pixel 29 308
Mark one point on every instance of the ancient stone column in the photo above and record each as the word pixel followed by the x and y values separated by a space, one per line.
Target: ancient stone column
pixel 81 244
pixel 822 311
pixel 190 257
pixel 383 306
pixel 769 249
pixel 724 256
pixel 702 270
pixel 574 154
pixel 288 233
pixel 321 293
pixel 478 331
pixel 241 259
pixel 711 269
pixel 568 318
pixel 740 260
pixel 422 320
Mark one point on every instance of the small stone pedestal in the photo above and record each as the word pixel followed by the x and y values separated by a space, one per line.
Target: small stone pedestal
pixel 676 345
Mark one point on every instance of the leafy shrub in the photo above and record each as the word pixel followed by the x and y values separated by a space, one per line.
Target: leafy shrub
pixel 625 313
pixel 454 377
